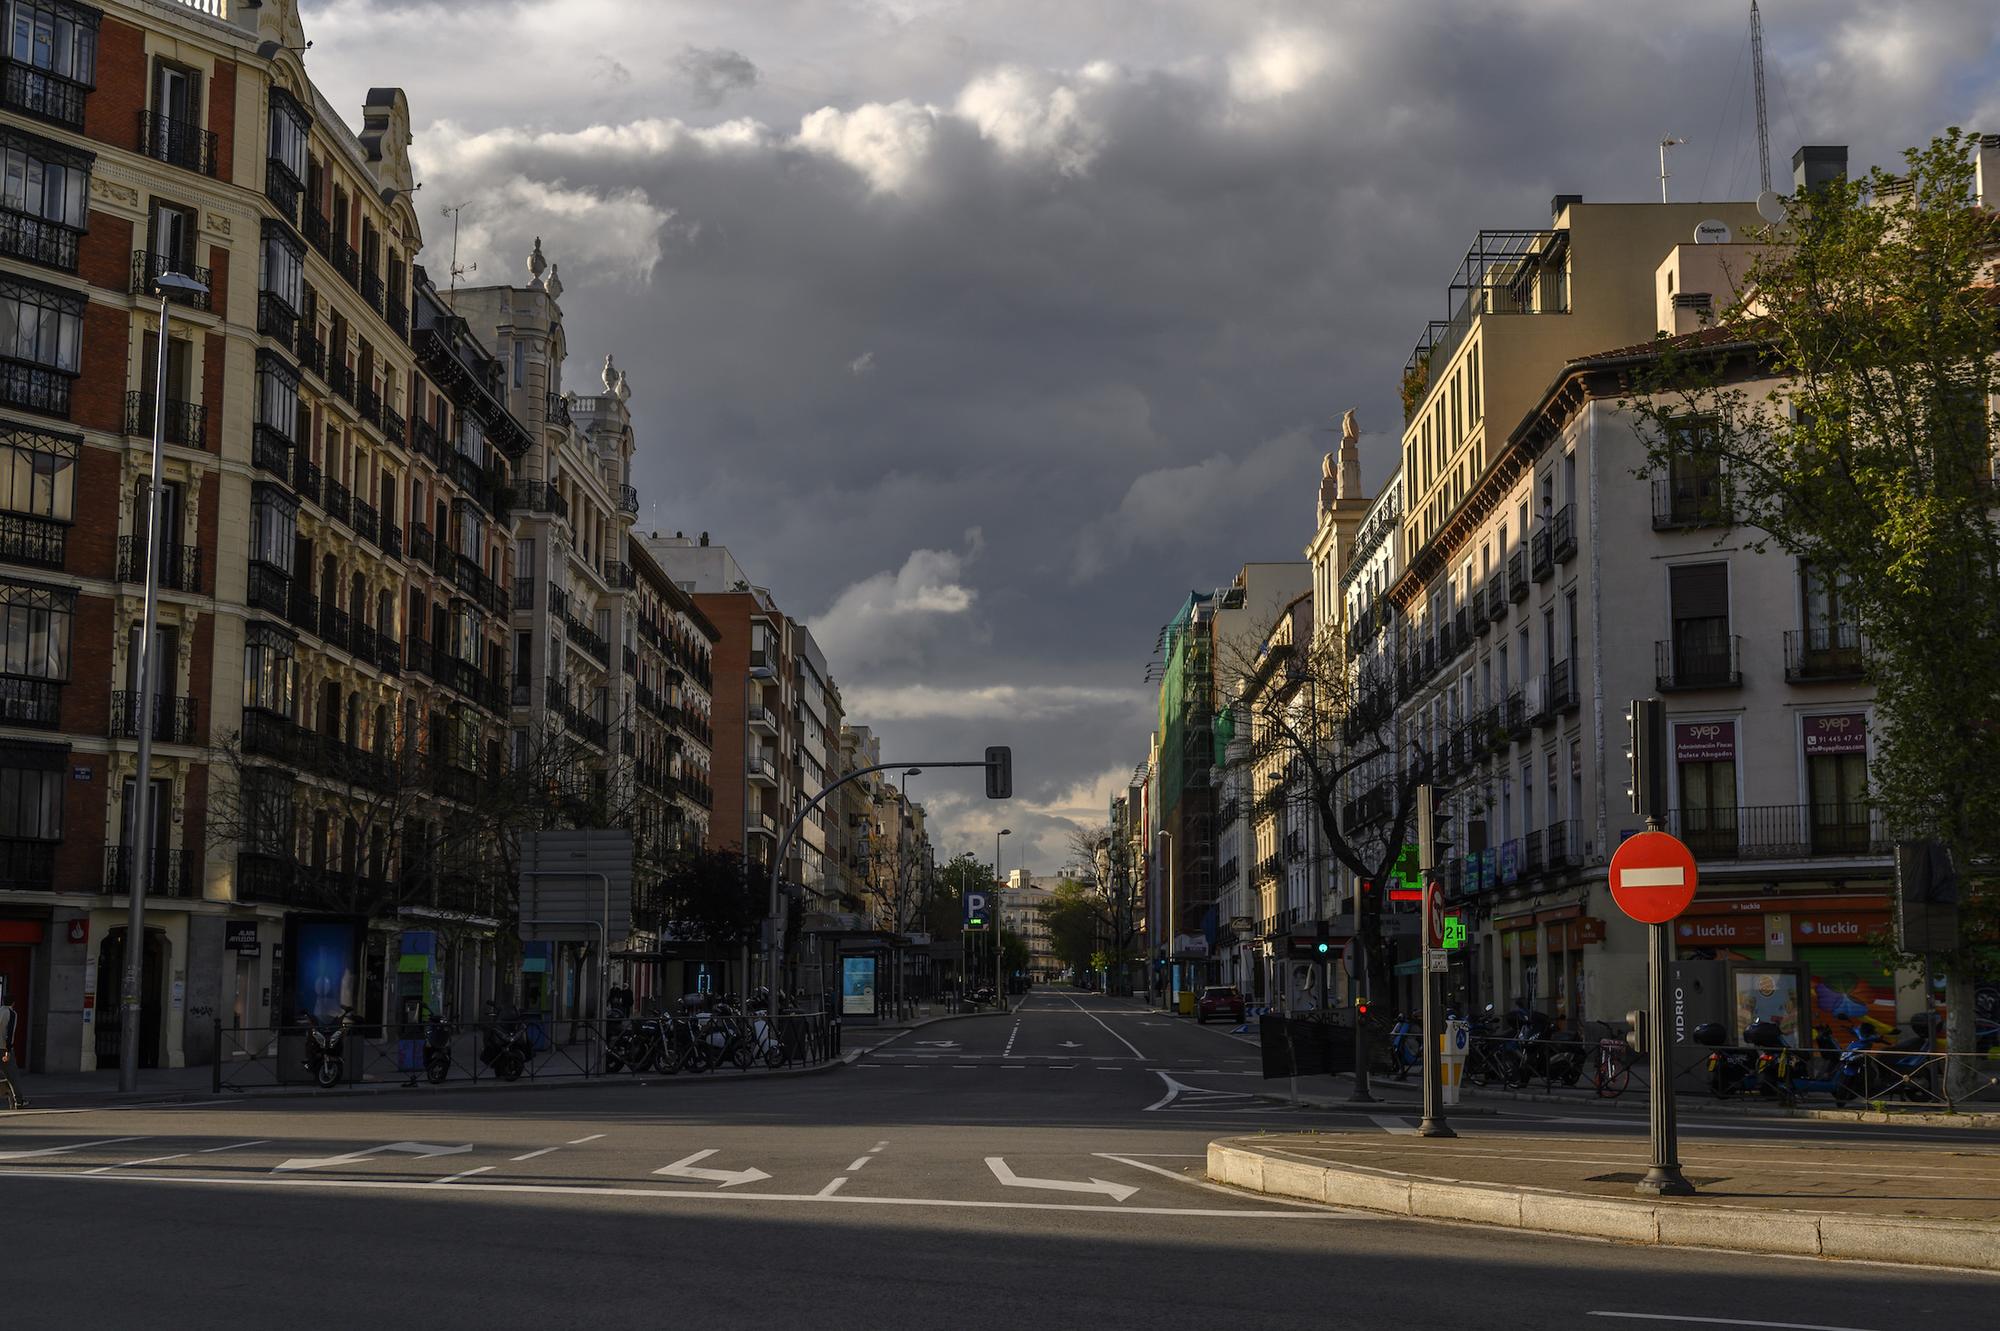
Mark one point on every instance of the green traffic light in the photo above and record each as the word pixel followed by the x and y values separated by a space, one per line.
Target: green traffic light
pixel 1325 948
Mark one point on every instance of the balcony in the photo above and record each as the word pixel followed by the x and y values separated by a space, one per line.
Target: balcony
pixel 1461 627
pixel 398 315
pixel 631 662
pixel 1541 560
pixel 177 143
pixel 1565 844
pixel 147 267
pixel 38 240
pixel 333 624
pixel 369 403
pixel 1565 537
pixel 759 771
pixel 1688 500
pixel 270 588
pixel 524 592
pixel 316 231
pixel 25 539
pixel 173 718
pixel 306 477
pixel 1698 661
pixel 283 188
pixel 545 498
pixel 556 408
pixel 762 719
pixel 40 93
pixel 1482 618
pixel 311 351
pixel 186 423
pixel 1825 654
pixel 366 522
pixel 1563 690
pixel 271 451
pixel 1517 576
pixel 1514 716
pixel 371 290
pixel 180 565
pixel 424 438
pixel 173 871
pixel 620 575
pixel 36 703
pixel 393 425
pixel 1781 831
pixel 422 547
pixel 340 378
pixel 628 500
pixel 338 503
pixel 392 540
pixel 581 634
pixel 1532 862
pixel 276 879
pixel 346 261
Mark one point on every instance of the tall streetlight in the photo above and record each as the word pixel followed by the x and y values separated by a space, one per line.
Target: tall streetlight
pixel 998 916
pixel 138 845
pixel 914 771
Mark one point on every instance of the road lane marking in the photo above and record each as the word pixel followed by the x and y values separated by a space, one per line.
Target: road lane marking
pixel 128 1164
pixel 453 1178
pixel 581 1140
pixel 1724 1321
pixel 877 1146
pixel 685 1168
pixel 1398 1126
pixel 65 1150
pixel 1012 1036
pixel 234 1146
pixel 1193 1182
pixel 1107 1030
pixel 1009 1179
pixel 421 1150
pixel 532 1154
pixel 832 1187
pixel 859 1162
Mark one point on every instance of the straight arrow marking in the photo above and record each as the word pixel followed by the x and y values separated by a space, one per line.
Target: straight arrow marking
pixel 685 1169
pixel 1117 1192
pixel 421 1150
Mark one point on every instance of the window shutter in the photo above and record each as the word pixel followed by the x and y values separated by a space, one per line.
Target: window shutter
pixel 1699 591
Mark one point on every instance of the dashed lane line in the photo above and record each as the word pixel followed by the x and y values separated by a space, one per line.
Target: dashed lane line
pixel 234 1146
pixel 1107 1030
pixel 453 1178
pixel 127 1164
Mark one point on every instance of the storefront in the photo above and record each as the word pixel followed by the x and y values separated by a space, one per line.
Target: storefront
pixel 1825 943
pixel 1544 961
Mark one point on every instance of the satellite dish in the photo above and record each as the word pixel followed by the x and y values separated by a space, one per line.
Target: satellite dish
pixel 1770 207
pixel 1712 231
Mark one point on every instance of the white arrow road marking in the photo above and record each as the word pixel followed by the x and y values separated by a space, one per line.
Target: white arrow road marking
pixel 1188 1097
pixel 420 1150
pixel 1117 1192
pixel 1069 1044
pixel 940 1044
pixel 685 1169
pixel 65 1150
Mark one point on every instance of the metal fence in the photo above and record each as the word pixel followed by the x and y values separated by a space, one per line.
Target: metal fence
pixel 254 1058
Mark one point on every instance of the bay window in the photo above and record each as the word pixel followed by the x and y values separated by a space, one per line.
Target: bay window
pixel 51 58
pixel 41 344
pixel 270 669
pixel 44 198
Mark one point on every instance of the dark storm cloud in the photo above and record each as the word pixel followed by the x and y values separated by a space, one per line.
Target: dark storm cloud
pixel 715 72
pixel 1001 327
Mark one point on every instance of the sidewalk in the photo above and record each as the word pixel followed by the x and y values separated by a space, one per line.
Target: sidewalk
pixel 1920 1206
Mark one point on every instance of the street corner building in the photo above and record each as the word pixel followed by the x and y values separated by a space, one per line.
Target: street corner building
pixel 394 562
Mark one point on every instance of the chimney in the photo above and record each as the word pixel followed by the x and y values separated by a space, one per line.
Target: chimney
pixel 704 538
pixel 1986 171
pixel 1559 203
pixel 1814 167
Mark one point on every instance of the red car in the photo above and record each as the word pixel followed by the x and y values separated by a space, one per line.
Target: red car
pixel 1219 1000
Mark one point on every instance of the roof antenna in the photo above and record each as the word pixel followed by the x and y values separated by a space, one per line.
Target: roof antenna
pixel 1769 207
pixel 452 210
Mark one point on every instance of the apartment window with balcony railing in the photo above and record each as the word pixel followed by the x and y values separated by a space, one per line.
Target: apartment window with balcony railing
pixel 31 813
pixel 44 199
pixel 41 344
pixel 286 164
pixel 270 669
pixel 37 495
pixel 51 59
pixel 277 415
pixel 281 285
pixel 1702 652
pixel 35 623
pixel 1690 494
pixel 274 521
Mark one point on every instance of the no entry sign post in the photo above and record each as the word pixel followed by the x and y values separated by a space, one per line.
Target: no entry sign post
pixel 1653 880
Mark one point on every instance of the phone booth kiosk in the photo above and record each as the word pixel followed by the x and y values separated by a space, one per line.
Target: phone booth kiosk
pixel 537 964
pixel 419 995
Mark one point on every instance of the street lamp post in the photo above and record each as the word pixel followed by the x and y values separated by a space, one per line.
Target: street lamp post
pixel 138 845
pixel 997 890
pixel 1170 990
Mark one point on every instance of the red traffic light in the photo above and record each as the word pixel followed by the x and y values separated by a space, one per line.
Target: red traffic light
pixel 1361 1006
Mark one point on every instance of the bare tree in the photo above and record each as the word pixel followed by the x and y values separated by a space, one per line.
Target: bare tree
pixel 1111 894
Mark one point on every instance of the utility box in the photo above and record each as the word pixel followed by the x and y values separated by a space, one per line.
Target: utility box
pixel 1697 992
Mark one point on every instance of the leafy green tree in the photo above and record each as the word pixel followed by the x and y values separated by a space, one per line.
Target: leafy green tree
pixel 1849 423
pixel 1074 926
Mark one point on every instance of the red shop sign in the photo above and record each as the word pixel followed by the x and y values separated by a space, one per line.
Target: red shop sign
pixel 1844 732
pixel 1589 929
pixel 1718 930
pixel 1704 741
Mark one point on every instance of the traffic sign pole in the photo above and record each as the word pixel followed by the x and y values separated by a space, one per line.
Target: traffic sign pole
pixel 1663 1177
pixel 1433 1124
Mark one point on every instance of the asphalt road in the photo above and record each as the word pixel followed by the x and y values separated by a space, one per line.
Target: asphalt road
pixel 1039 1169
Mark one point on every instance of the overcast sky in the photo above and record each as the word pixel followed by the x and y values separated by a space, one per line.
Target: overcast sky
pixel 982 331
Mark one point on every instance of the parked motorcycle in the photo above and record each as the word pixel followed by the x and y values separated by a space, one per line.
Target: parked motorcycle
pixel 506 1047
pixel 324 1042
pixel 438 1033
pixel 1869 1071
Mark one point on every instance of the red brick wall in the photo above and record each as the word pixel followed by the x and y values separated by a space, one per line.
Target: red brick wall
pixel 212 365
pixel 111 113
pixel 80 857
pixel 86 704
pixel 222 120
pixel 92 551
pixel 729 612
pixel 97 399
pixel 104 258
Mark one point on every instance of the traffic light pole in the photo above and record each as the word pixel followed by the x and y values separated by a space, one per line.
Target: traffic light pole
pixel 1433 1124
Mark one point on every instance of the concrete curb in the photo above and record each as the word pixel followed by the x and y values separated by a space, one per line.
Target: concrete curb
pixel 1916 1118
pixel 1913 1241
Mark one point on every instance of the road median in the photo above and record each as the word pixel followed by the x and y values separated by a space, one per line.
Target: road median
pixel 1914 1207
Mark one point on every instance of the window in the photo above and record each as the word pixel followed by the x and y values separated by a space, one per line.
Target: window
pixel 289 125
pixel 1829 626
pixel 284 271
pixel 44 190
pixel 520 365
pixel 52 48
pixel 1693 487
pixel 471 531
pixel 1836 753
pixel 274 516
pixel 277 397
pixel 41 343
pixel 37 474
pixel 35 630
pixel 1705 765
pixel 1701 651
pixel 268 812
pixel 270 669
pixel 173 131
pixel 31 790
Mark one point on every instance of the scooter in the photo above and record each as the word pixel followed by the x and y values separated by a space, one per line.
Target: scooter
pixel 1867 1071
pixel 323 1046
pixel 506 1048
pixel 1406 1047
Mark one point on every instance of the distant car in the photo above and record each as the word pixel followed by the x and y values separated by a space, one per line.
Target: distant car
pixel 1219 1000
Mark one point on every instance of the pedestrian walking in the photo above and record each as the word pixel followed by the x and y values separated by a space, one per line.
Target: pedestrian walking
pixel 15 1100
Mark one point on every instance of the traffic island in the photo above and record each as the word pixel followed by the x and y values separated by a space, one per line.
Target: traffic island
pixel 1919 1206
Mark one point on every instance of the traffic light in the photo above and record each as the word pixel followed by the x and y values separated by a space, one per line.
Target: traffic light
pixel 1646 754
pixel 1325 945
pixel 1361 1006
pixel 1370 900
pixel 999 772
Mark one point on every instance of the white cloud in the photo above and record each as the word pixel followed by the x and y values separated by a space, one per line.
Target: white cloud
pixel 890 617
pixel 1278 64
pixel 886 143
pixel 1026 114
pixel 862 364
pixel 1011 702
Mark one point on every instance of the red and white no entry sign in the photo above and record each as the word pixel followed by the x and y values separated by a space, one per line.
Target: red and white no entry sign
pixel 1652 877
pixel 1434 913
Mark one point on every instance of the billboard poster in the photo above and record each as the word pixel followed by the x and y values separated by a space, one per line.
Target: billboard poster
pixel 1771 995
pixel 325 952
pixel 1705 741
pixel 857 986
